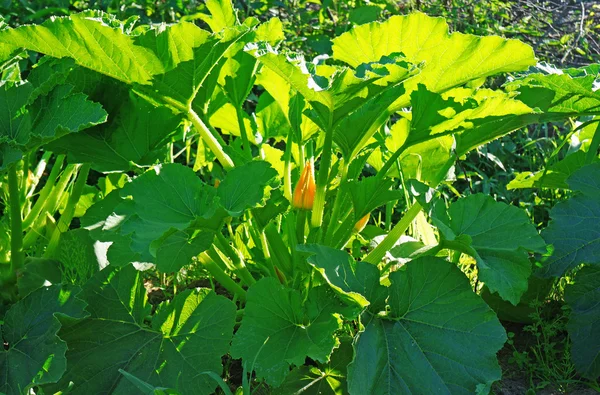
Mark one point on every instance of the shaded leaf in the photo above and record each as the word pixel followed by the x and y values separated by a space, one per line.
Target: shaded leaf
pixel 424 346
pixel 583 296
pixel 574 230
pixel 35 355
pixel 499 237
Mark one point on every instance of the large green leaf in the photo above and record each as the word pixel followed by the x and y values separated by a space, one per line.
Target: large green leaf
pixel 583 297
pixel 326 379
pixel 128 219
pixel 558 95
pixel 422 161
pixel 439 337
pixel 295 78
pixel 186 338
pixel 498 236
pixel 574 230
pixel 137 135
pixel 291 105
pixel 183 84
pixel 450 60
pixel 244 186
pixel 177 249
pixel 554 177
pixel 280 329
pixel 358 281
pixel 32 353
pixel 222 15
pixel 25 123
pixel 91 43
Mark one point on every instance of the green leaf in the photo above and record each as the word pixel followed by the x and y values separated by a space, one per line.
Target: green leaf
pixel 291 105
pixel 14 127
pixel 583 296
pixel 439 337
pixel 177 249
pixel 91 43
pixel 498 236
pixel 558 96
pixel 450 60
pixel 244 186
pixel 35 355
pixel 222 15
pixel 195 80
pixel 78 255
pixel 145 387
pixel 574 230
pixel 280 329
pixel 61 112
pixel 358 281
pixel 24 126
pixel 422 161
pixel 172 43
pixel 370 193
pixel 38 273
pixel 187 337
pixel 555 177
pixel 329 379
pixel 137 135
pixel 172 190
pixel 293 77
pixel 474 117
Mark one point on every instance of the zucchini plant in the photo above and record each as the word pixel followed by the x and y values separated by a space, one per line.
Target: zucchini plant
pixel 222 152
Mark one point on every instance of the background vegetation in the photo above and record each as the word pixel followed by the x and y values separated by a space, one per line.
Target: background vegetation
pixel 563 33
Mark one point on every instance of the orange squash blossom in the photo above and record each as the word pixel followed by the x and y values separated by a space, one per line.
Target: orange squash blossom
pixel 360 225
pixel 304 193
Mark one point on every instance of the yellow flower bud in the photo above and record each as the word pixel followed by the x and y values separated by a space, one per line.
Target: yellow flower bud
pixel 360 225
pixel 304 193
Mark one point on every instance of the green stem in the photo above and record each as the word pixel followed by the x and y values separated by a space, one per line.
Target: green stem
pixel 42 199
pixel 287 169
pixel 240 267
pixel 377 254
pixel 69 212
pixel 333 221
pixel 39 171
pixel 300 226
pixel 278 250
pixel 243 133
pixel 319 203
pixel 16 222
pixel 49 205
pixel 221 276
pixel 344 232
pixel 210 140
pixel 593 149
pixel 390 162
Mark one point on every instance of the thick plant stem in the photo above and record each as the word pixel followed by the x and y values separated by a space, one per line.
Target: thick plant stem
pixel 50 205
pixel 594 145
pixel 398 230
pixel 39 171
pixel 240 267
pixel 45 192
pixel 334 221
pixel 221 276
pixel 319 203
pixel 287 169
pixel 67 216
pixel 390 162
pixel 243 133
pixel 210 140
pixel 16 222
